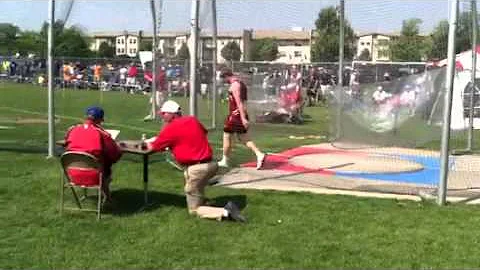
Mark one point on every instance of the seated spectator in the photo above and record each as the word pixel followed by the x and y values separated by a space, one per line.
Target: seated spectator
pixel 380 96
pixel 90 137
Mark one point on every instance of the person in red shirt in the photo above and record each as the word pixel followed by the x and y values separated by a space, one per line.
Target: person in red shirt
pixel 90 137
pixel 237 119
pixel 187 139
pixel 132 74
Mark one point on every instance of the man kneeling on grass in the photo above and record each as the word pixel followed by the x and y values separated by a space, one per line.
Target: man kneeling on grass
pixel 187 139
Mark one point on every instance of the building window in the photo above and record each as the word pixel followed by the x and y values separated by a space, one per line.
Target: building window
pixel 134 50
pixel 297 54
pixel 135 41
pixel 123 50
pixel 382 42
pixel 118 50
pixel 368 43
pixel 118 41
pixel 362 43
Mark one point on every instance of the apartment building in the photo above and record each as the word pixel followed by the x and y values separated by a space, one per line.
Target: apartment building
pixel 293 45
pixel 378 46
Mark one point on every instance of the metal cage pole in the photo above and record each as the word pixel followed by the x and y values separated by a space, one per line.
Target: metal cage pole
pixel 154 61
pixel 214 64
pixel 442 188
pixel 474 71
pixel 341 44
pixel 51 104
pixel 193 56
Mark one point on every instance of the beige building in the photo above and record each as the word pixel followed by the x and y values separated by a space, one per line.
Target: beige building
pixel 378 45
pixel 293 45
pixel 127 44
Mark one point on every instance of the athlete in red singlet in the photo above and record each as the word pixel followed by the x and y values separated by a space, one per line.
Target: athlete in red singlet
pixel 237 119
pixel 233 122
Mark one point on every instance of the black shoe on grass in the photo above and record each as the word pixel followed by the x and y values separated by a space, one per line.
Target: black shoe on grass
pixel 234 212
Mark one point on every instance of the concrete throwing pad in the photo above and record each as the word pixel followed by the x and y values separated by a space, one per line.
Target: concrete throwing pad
pixel 386 172
pixel 356 163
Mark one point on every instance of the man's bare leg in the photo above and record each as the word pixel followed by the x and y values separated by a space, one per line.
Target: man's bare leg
pixel 227 149
pixel 245 139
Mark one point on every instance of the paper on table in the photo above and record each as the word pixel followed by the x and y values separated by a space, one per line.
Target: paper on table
pixel 113 132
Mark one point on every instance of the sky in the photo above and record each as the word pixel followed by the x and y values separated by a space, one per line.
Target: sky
pixel 384 16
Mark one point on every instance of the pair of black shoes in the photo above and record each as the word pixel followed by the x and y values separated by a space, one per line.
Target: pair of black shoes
pixel 234 212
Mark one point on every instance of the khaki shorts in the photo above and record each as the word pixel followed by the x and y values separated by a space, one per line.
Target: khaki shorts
pixel 196 179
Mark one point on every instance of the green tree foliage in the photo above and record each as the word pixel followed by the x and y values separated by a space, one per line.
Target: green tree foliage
pixel 146 45
pixel 69 42
pixel 264 50
pixel 439 41
pixel 231 51
pixel 183 53
pixel 8 38
pixel 409 46
pixel 29 42
pixel 326 37
pixel 365 55
pixel 106 50
pixel 463 40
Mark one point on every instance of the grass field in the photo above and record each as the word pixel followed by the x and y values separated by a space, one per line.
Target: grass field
pixel 314 231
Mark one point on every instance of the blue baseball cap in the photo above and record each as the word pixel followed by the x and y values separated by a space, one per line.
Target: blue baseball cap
pixel 94 112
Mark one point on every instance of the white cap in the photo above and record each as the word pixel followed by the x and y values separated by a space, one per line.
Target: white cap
pixel 170 106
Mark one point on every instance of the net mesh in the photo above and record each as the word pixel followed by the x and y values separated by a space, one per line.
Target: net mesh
pixel 387 100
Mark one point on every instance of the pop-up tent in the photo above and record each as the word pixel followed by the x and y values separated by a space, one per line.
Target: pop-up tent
pixel 463 61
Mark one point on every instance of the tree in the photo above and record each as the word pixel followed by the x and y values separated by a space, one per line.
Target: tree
pixel 183 53
pixel 326 37
pixel 231 51
pixel 106 50
pixel 439 37
pixel 28 42
pixel 439 41
pixel 146 45
pixel 70 42
pixel 409 46
pixel 8 38
pixel 365 55
pixel 265 49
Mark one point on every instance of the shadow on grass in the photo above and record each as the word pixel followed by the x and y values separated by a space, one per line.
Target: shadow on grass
pixel 130 201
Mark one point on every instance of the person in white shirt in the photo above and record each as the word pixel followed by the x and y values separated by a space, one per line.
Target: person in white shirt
pixel 380 96
pixel 123 75
pixel 408 98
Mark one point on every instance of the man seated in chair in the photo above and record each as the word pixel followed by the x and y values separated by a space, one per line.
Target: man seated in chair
pixel 90 137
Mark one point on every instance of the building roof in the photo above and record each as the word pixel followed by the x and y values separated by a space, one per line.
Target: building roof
pixel 282 34
pixel 390 34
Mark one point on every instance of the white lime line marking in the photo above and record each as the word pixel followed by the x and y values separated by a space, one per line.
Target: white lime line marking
pixel 78 119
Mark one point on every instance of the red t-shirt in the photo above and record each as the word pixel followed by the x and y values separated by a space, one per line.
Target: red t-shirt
pixel 187 139
pixel 92 139
pixel 132 71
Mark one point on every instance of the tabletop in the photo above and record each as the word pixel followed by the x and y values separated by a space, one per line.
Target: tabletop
pixel 129 146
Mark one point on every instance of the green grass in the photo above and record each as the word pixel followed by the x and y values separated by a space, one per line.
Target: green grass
pixel 316 231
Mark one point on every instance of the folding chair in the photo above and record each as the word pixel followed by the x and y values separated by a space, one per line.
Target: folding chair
pixel 81 170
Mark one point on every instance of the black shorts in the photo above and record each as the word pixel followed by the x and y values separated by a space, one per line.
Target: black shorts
pixel 233 124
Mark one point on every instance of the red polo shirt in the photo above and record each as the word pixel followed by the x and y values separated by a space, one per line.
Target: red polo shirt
pixel 92 139
pixel 187 139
